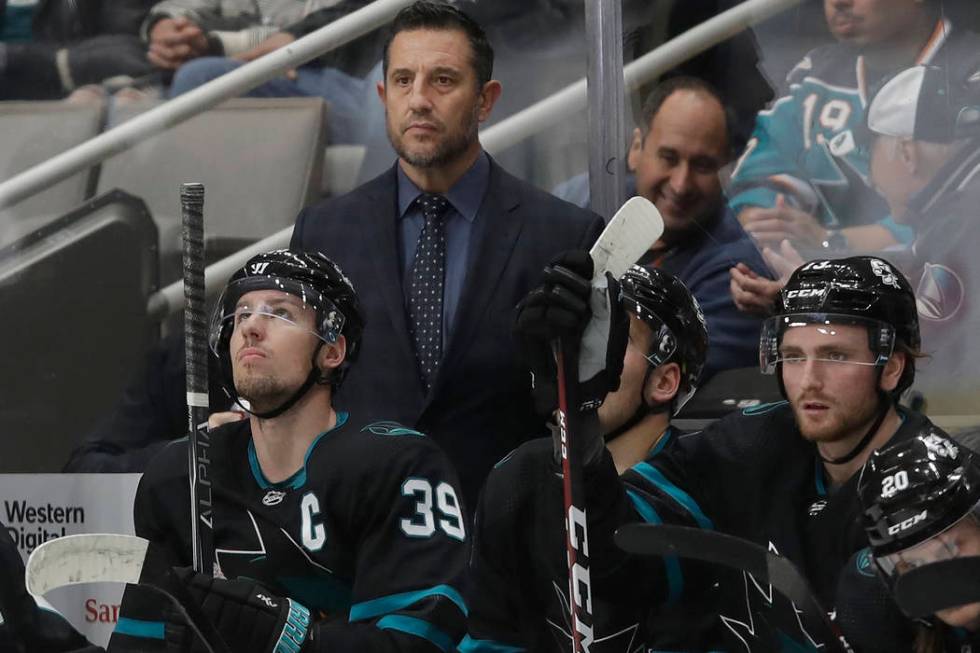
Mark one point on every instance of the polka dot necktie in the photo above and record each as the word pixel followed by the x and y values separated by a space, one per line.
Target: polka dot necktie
pixel 425 287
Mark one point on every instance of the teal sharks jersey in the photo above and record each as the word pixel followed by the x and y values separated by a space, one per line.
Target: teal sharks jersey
pixel 807 145
pixel 370 535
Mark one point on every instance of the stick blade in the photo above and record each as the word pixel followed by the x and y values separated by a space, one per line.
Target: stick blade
pixel 636 226
pixel 939 585
pixel 765 566
pixel 87 558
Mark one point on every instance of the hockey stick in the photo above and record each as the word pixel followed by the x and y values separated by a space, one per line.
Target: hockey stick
pixel 930 588
pixel 765 566
pixel 196 357
pixel 634 228
pixel 108 558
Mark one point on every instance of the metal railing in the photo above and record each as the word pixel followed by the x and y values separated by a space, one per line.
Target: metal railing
pixel 514 129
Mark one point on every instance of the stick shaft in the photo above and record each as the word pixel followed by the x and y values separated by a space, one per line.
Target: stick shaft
pixel 196 353
pixel 576 528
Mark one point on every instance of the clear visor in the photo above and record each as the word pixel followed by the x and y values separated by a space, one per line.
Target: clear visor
pixel 945 546
pixel 833 342
pixel 299 308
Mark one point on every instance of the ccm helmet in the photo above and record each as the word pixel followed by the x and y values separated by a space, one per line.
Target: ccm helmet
pixel 914 490
pixel 319 283
pixel 680 335
pixel 861 290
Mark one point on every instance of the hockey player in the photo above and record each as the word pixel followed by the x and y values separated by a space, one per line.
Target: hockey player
pixel 803 176
pixel 518 582
pixel 921 501
pixel 842 343
pixel 345 533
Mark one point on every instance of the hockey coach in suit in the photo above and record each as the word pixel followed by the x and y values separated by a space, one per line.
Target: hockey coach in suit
pixel 441 247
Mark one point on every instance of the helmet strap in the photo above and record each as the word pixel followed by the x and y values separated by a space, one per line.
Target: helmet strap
pixel 642 411
pixel 883 404
pixel 312 378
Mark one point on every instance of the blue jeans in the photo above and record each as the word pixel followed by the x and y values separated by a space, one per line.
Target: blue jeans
pixel 346 118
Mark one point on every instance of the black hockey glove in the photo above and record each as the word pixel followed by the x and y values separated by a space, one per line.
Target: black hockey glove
pixel 562 307
pixel 245 615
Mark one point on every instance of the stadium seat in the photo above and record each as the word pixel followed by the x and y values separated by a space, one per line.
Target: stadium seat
pixel 31 133
pixel 260 161
pixel 77 329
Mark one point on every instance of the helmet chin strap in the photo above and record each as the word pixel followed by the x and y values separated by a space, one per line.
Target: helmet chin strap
pixel 883 404
pixel 312 378
pixel 642 411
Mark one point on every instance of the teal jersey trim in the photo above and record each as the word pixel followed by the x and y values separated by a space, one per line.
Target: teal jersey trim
pixel 297 480
pixel 395 602
pixel 819 475
pixel 652 474
pixel 675 578
pixel 390 428
pixel 470 645
pixel 419 628
pixel 762 409
pixel 140 628
pixel 661 443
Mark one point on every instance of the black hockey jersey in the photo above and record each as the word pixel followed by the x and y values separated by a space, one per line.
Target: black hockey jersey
pixel 370 535
pixel 752 475
pixel 518 585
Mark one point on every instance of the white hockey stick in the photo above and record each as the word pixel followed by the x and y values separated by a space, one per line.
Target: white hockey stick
pixel 632 231
pixel 89 558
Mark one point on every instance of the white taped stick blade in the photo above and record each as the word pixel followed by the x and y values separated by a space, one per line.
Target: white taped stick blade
pixel 636 226
pixel 88 558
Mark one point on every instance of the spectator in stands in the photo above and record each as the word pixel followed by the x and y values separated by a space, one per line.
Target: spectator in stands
pixel 203 39
pixel 802 176
pixel 674 159
pixel 49 48
pixel 925 160
pixel 448 209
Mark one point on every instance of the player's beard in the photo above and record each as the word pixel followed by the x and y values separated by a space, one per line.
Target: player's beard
pixel 454 143
pixel 263 392
pixel 841 422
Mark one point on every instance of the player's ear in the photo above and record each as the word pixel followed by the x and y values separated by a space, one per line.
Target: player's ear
pixel 909 155
pixel 636 150
pixel 380 88
pixel 332 354
pixel 664 383
pixel 892 372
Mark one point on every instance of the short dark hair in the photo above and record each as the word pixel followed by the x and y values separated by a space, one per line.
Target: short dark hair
pixel 427 14
pixel 655 100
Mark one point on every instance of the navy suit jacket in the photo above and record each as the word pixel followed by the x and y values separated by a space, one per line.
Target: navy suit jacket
pixel 480 406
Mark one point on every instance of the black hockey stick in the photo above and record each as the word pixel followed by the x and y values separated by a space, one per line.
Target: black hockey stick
pixel 196 357
pixel 765 566
pixel 634 228
pixel 576 529
pixel 930 588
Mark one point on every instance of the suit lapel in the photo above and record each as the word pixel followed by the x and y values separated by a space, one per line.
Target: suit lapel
pixel 381 225
pixel 498 224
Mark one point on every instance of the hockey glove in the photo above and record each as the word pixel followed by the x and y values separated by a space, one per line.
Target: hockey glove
pixel 562 307
pixel 246 616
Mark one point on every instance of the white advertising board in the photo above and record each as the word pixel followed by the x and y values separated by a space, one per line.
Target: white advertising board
pixel 39 507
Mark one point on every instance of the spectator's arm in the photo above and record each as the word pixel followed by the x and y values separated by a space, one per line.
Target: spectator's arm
pixel 773 149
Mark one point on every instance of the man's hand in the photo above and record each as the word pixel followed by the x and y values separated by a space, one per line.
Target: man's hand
pixel 246 615
pixel 756 294
pixel 782 222
pixel 224 417
pixel 174 41
pixel 559 309
pixel 271 44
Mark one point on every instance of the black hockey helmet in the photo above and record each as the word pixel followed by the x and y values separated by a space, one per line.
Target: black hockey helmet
pixel 318 282
pixel 680 334
pixel 861 290
pixel 914 490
